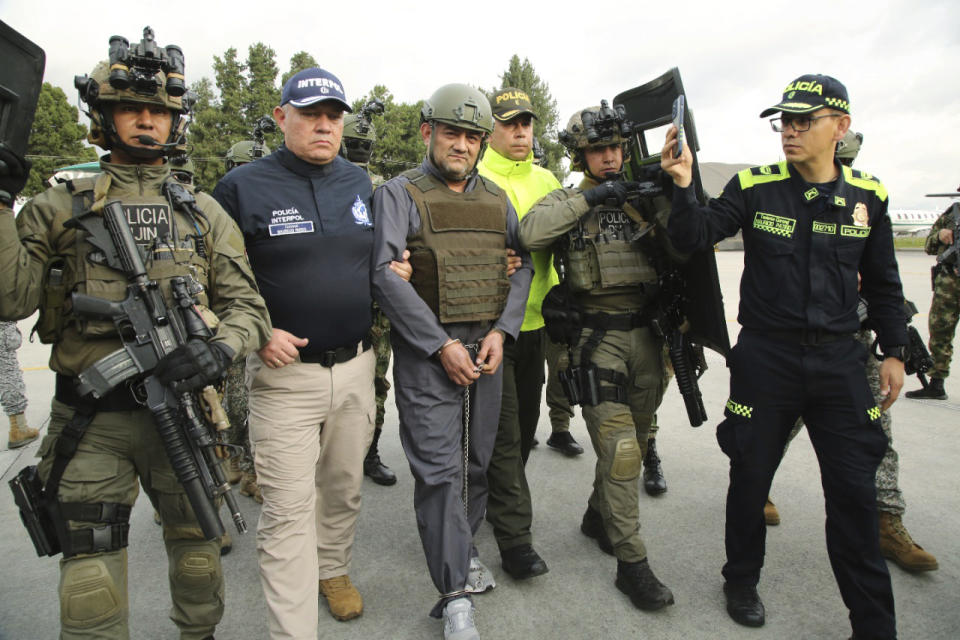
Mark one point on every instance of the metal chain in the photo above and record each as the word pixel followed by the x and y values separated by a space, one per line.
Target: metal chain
pixel 472 348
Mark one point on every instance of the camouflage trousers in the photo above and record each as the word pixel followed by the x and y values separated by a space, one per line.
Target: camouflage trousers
pixel 944 312
pixel 380 342
pixel 889 497
pixel 235 404
pixel 13 392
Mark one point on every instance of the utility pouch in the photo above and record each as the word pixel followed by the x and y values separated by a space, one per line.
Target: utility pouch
pixel 561 317
pixel 28 495
pixel 50 321
pixel 589 385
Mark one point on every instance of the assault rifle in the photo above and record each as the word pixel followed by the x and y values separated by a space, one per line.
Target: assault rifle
pixel 916 359
pixel 149 330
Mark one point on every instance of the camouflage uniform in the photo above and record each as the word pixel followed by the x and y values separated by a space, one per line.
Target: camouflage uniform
pixel 13 392
pixel 380 341
pixel 235 404
pixel 945 308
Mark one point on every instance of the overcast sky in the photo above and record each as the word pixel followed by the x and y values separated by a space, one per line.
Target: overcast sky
pixel 899 60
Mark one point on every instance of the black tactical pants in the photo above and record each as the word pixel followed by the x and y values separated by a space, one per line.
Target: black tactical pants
pixel 773 382
pixel 509 508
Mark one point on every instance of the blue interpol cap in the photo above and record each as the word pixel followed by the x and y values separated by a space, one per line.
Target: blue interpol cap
pixel 311 86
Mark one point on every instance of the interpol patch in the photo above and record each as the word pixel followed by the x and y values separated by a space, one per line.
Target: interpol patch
pixel 777 225
pixel 360 214
pixel 148 222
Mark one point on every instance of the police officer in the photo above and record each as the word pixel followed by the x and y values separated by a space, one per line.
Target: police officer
pixel 43 262
pixel 509 162
pixel 611 279
pixel 944 309
pixel 359 137
pixel 809 226
pixel 448 328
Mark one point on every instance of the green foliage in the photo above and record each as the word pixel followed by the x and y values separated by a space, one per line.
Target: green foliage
pixel 398 146
pixel 56 139
pixel 298 62
pixel 546 125
pixel 244 92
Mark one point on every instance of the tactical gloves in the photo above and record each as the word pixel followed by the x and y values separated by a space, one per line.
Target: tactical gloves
pixel 14 172
pixel 193 365
pixel 615 190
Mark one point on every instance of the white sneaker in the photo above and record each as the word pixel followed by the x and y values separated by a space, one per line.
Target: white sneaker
pixel 480 579
pixel 458 621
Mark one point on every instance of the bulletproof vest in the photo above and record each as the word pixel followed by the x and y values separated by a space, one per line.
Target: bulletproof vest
pixel 169 241
pixel 600 258
pixel 459 255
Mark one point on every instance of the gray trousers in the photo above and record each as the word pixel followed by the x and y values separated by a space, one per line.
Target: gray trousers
pixel 431 418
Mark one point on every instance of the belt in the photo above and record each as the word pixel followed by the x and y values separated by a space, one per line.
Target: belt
pixel 336 356
pixel 806 337
pixel 119 399
pixel 615 321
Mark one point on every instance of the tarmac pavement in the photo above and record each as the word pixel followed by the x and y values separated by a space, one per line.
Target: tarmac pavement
pixel 683 531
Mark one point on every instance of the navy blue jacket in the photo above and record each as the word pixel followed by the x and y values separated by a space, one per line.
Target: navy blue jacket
pixel 803 247
pixel 309 235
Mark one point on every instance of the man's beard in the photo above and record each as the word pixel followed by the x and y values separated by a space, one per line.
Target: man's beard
pixel 446 172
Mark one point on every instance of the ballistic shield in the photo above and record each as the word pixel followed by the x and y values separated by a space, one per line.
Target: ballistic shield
pixel 21 76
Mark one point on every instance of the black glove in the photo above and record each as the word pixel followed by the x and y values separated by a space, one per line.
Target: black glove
pixel 609 190
pixel 14 172
pixel 193 365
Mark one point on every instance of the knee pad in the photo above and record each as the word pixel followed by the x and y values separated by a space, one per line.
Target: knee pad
pixel 196 567
pixel 627 460
pixel 88 594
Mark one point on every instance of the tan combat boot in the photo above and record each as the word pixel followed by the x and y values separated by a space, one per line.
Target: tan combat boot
pixel 249 487
pixel 342 597
pixel 20 433
pixel 897 545
pixel 770 514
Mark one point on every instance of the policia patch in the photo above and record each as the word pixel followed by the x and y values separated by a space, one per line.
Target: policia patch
pixel 148 222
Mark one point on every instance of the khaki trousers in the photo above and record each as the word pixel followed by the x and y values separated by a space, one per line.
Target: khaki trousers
pixel 310 427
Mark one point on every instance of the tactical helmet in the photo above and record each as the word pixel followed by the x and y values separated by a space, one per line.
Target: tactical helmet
pixel 358 139
pixel 459 105
pixel 849 147
pixel 182 168
pixel 243 152
pixel 576 136
pixel 97 92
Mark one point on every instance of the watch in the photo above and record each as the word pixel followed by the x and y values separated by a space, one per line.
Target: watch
pixel 895 352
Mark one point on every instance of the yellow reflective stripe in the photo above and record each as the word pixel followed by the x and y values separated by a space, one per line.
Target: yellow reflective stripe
pixel 869 184
pixel 874 413
pixel 748 179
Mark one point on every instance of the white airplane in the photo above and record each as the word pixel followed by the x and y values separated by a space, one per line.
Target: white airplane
pixel 907 222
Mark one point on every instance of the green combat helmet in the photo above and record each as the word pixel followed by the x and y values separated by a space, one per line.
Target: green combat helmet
pixel 243 152
pixel 849 147
pixel 594 126
pixel 359 136
pixel 461 106
pixel 145 74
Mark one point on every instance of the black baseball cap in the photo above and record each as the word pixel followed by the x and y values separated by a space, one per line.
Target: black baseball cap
pixel 510 102
pixel 809 93
pixel 311 86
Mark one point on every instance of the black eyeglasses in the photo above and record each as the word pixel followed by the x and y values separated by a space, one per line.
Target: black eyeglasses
pixel 798 123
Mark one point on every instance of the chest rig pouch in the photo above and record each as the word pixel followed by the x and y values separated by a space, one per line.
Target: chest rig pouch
pixel 602 254
pixel 170 235
pixel 459 255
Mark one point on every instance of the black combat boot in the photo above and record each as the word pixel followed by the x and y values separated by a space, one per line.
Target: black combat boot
pixel 636 579
pixel 653 481
pixel 933 391
pixel 374 468
pixel 592 527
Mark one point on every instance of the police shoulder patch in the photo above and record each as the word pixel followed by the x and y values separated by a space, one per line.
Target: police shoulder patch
pixel 763 174
pixel 866 181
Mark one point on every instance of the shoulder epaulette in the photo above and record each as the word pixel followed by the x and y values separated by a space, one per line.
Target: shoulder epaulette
pixel 761 175
pixel 864 180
